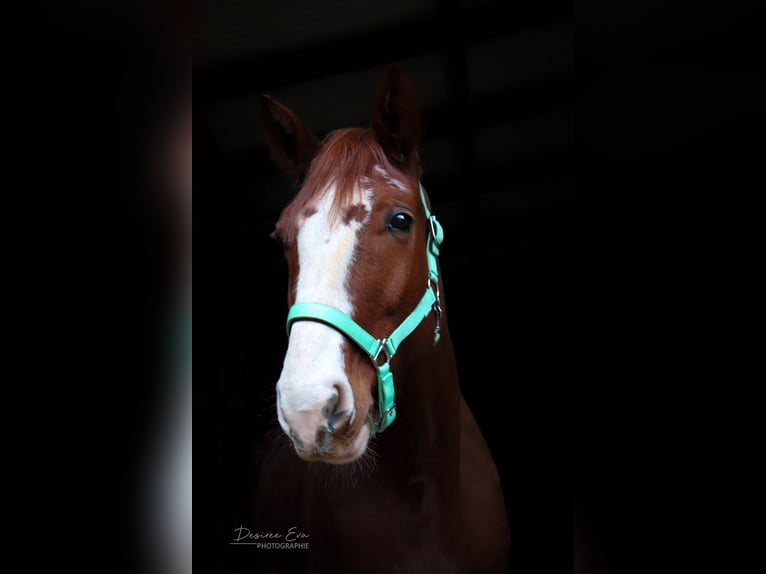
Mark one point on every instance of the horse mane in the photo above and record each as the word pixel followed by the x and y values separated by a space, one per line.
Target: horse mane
pixel 348 158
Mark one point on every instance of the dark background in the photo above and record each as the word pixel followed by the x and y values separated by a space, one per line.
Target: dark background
pixel 602 254
pixel 90 276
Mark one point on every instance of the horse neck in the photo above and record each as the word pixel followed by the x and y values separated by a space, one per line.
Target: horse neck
pixel 425 437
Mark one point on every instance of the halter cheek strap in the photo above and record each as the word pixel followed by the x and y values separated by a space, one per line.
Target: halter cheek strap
pixel 381 351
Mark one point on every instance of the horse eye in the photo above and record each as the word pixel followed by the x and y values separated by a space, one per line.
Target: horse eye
pixel 401 221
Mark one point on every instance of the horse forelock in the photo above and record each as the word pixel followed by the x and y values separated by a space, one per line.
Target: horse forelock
pixel 350 163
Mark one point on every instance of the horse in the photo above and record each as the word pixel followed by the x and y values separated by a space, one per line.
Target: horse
pixel 379 463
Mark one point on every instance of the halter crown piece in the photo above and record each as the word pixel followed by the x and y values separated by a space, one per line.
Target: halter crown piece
pixel 384 349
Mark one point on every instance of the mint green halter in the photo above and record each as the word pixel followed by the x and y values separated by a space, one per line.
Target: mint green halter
pixel 387 346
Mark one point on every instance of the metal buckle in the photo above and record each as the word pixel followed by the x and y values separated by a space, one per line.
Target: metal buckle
pixel 381 347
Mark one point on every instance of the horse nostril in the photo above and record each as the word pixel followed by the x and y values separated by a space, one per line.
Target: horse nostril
pixel 333 409
pixel 332 403
pixel 336 420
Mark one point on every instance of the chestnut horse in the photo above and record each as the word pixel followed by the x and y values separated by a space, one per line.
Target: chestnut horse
pixel 381 465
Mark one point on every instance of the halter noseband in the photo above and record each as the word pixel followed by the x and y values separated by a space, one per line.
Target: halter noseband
pixel 387 346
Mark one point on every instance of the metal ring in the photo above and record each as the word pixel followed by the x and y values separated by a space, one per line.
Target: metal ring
pixel 435 229
pixel 381 347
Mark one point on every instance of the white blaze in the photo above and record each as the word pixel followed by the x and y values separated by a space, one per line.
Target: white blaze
pixel 314 363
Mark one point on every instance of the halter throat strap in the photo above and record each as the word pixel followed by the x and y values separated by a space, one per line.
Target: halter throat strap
pixel 381 351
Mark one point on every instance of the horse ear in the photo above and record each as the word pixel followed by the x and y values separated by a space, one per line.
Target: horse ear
pixel 292 145
pixel 396 121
